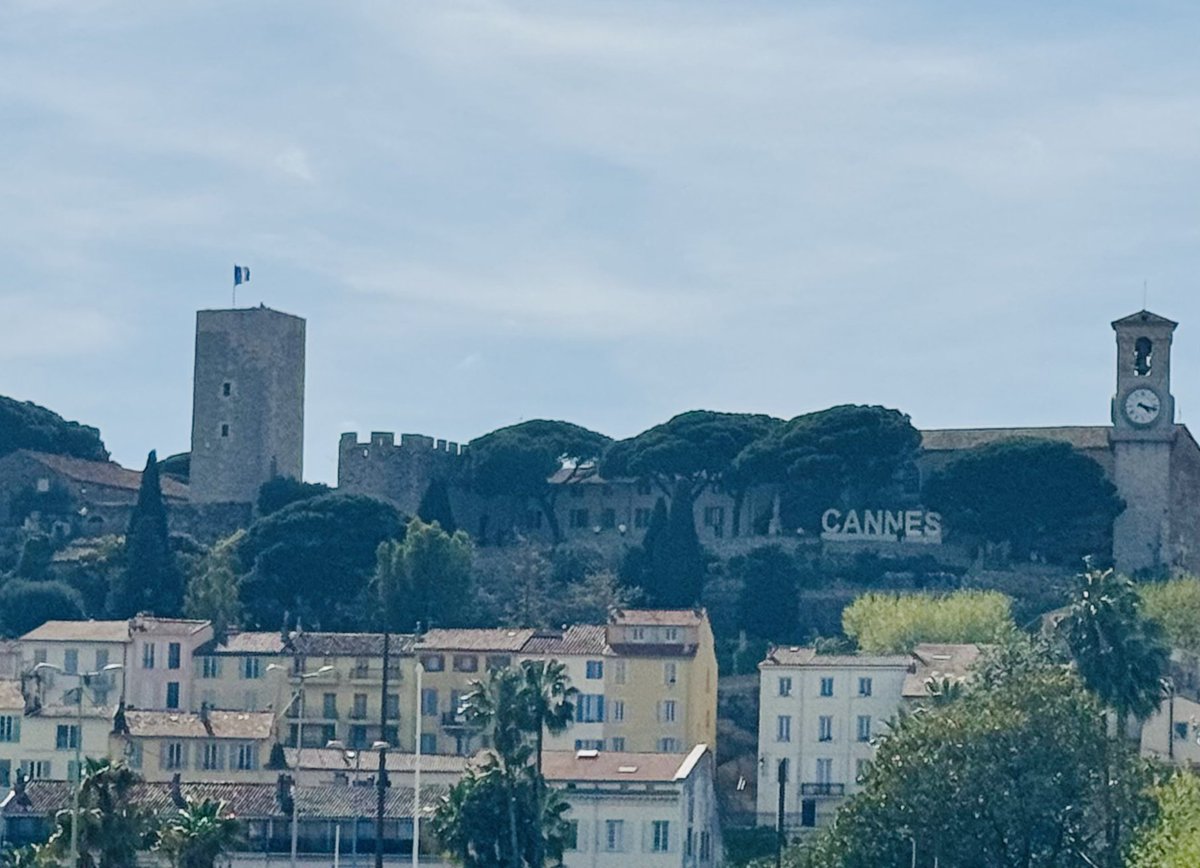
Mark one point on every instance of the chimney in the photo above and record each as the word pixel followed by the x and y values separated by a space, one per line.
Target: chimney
pixel 177 792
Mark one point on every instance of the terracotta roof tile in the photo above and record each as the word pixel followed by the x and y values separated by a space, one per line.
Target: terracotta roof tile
pixel 561 766
pixel 245 643
pixel 581 639
pixel 797 656
pixel 223 724
pixel 79 631
pixel 349 644
pixel 937 662
pixel 107 473
pixel 476 640
pixel 658 617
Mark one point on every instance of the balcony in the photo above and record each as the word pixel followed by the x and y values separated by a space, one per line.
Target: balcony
pixel 455 720
pixel 815 789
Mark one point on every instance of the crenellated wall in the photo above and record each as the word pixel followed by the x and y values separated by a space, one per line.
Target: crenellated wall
pixel 396 472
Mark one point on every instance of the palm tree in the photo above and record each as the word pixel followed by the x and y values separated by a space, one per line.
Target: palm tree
pixel 199 834
pixel 1121 655
pixel 113 828
pixel 549 702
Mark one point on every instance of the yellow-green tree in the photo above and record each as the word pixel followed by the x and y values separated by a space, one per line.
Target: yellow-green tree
pixel 1173 839
pixel 884 623
pixel 1175 605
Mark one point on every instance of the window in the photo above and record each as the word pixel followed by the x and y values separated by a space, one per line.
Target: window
pixel 785 686
pixel 783 727
pixel 669 744
pixel 251 667
pixel 329 706
pixel 705 847
pixel 71 661
pixel 670 675
pixel 660 836
pixel 101 658
pixel 433 662
pixel 1181 730
pixel 358 711
pixel 247 757
pixel 825 728
pixel 618 671
pixel 210 667
pixel 429 742
pixel 864 687
pixel 827 687
pixel 589 708
pixel 824 771
pixel 498 661
pixel 393 706
pixel 361 668
pixel 466 663
pixel 174 757
pixel 617 709
pixel 614 835
pixel 172 694
pixel 429 701
pixel 148 655
pixel 39 656
pixel 571 838
pixel 639 634
pixel 1143 356
pixel 36 769
pixel 10 728
pixel 589 744
pixel 212 757
pixel 595 669
pixel 641 517
pixel 608 518
pixel 714 516
pixel 808 813
pixel 224 429
pixel 864 727
pixel 666 711
pixel 173 654
pixel 66 737
pixel 578 518
pixel 671 634
pixel 225 389
pixel 618 743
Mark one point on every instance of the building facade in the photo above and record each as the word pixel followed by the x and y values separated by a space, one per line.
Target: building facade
pixel 247 403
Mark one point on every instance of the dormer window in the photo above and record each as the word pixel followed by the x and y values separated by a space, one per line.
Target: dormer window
pixel 1143 357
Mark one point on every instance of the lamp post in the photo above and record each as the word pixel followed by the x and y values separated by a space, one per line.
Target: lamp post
pixel 348 754
pixel 416 845
pixel 298 694
pixel 84 680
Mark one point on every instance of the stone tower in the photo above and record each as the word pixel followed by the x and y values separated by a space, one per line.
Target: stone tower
pixel 1143 434
pixel 247 403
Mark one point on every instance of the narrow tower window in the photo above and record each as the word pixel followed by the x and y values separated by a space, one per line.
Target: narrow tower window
pixel 224 430
pixel 1143 356
pixel 225 387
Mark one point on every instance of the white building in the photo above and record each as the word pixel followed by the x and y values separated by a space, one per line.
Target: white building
pixel 821 714
pixel 638 809
pixel 73 647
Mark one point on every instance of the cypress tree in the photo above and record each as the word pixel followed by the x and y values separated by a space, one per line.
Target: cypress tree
pixel 435 506
pixel 676 559
pixel 636 569
pixel 151 581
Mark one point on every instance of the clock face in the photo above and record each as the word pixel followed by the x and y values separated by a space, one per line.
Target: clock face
pixel 1142 406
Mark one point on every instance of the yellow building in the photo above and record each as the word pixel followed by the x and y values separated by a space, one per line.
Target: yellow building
pixel 40 741
pixel 203 746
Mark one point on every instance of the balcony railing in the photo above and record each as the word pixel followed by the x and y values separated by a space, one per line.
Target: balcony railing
pixel 815 789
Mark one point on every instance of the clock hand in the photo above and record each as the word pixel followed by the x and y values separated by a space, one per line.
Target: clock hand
pixel 1149 408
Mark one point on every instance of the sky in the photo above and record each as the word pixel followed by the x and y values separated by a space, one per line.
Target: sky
pixel 607 212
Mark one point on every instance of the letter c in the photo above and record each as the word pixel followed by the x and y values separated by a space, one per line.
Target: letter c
pixel 825 521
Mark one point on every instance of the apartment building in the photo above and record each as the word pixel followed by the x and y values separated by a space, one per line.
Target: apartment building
pixel 39 741
pixel 74 647
pixel 246 672
pixel 203 746
pixel 158 669
pixel 643 809
pixel 584 651
pixel 819 715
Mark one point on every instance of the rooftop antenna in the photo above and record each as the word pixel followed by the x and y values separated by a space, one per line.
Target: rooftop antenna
pixel 1145 292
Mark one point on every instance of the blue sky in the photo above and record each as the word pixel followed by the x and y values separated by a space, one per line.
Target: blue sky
pixel 607 212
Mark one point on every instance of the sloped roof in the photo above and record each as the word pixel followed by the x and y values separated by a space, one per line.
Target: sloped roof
pixel 563 765
pixel 938 661
pixel 658 617
pixel 107 473
pixel 79 631
pixel 466 639
pixel 798 656
pixel 155 626
pixel 250 642
pixel 953 439
pixel 335 759
pixel 222 724
pixel 579 639
pixel 244 800
pixel 349 644
pixel 1144 317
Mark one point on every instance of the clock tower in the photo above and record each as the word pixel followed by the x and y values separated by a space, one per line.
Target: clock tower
pixel 1143 435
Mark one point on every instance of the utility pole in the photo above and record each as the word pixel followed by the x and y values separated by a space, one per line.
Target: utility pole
pixel 381 782
pixel 779 831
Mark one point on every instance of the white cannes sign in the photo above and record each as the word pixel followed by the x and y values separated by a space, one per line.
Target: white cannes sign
pixel 882 525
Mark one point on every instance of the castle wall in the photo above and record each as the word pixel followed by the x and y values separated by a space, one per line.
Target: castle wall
pixel 1184 539
pixel 248 402
pixel 396 472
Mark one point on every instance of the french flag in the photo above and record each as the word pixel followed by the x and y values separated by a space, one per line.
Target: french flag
pixel 241 274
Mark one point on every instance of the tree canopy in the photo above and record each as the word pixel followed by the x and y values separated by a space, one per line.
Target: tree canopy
pixel 1175 606
pixel 769 579
pixel 885 623
pixel 1015 771
pixel 278 492
pixel 26 604
pixel 425 578
pixel 1039 496
pixel 849 455
pixel 698 447
pixel 1173 839
pixel 519 460
pixel 314 559
pixel 25 425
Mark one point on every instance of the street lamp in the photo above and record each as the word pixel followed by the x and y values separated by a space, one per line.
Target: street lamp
pixel 348 754
pixel 84 681
pixel 297 694
pixel 418 717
